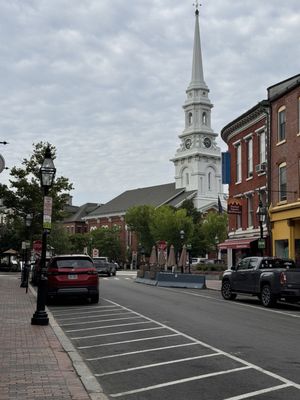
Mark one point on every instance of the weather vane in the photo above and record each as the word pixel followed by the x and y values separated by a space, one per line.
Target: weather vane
pixel 196 5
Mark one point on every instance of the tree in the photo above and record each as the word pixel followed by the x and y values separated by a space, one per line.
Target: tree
pixel 138 220
pixel 59 239
pixel 192 211
pixel 24 195
pixel 215 229
pixel 107 241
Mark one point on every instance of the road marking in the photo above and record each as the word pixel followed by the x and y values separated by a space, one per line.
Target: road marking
pixel 157 364
pixel 142 351
pixel 87 312
pixel 127 341
pixel 246 363
pixel 236 303
pixel 105 315
pixel 67 309
pixel 100 320
pixel 258 392
pixel 117 333
pixel 171 383
pixel 108 326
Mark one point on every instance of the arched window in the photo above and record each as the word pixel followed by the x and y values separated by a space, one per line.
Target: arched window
pixel 209 181
pixel 204 118
pixel 190 118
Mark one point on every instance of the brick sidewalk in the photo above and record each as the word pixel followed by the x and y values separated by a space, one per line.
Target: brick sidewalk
pixel 33 364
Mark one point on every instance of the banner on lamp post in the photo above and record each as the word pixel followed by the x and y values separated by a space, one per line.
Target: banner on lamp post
pixel 47 212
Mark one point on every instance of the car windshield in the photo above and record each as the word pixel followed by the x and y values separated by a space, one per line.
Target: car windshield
pixel 74 263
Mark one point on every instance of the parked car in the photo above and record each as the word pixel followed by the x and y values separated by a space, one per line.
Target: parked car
pixel 198 260
pixel 269 278
pixel 104 267
pixel 73 275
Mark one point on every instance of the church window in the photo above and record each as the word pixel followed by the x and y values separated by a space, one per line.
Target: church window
pixel 190 118
pixel 187 178
pixel 204 118
pixel 209 180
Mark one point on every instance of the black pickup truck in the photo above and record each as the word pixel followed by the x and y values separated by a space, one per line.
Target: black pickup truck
pixel 269 278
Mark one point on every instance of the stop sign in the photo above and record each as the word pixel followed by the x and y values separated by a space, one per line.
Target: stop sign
pixel 37 246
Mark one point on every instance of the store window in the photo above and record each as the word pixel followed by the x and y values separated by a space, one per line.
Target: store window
pixel 282 248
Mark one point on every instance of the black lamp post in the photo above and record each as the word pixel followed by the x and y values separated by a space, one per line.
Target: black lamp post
pixel 26 261
pixel 261 214
pixel 182 234
pixel 47 174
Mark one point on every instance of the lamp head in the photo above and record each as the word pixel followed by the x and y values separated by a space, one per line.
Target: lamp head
pixel 47 170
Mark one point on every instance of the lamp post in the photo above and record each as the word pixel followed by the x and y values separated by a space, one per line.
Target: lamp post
pixel 47 174
pixel 261 214
pixel 182 234
pixel 25 245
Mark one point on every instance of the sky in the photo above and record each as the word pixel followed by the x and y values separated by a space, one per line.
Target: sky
pixel 104 81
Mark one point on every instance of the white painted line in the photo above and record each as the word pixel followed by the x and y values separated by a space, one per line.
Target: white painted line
pixel 99 320
pixel 158 364
pixel 74 310
pixel 142 351
pixel 258 392
pixel 246 363
pixel 98 315
pixel 109 326
pixel 127 341
pixel 117 333
pixel 179 381
pixel 67 309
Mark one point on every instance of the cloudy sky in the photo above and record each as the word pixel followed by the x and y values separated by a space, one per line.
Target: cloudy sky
pixel 104 81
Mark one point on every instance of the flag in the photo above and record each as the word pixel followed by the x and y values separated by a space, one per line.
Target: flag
pixel 220 208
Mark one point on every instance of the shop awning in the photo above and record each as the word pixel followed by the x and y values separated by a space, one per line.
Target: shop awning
pixel 236 243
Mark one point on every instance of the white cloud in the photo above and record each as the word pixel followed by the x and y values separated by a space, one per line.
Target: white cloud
pixel 105 83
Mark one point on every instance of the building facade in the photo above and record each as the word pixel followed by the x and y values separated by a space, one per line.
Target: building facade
pixel 284 98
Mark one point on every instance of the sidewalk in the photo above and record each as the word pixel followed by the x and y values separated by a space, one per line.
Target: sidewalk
pixel 34 363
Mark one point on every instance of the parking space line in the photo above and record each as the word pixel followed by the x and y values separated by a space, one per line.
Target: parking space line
pixel 67 309
pixel 158 364
pixel 117 333
pixel 85 310
pixel 258 392
pixel 129 341
pixel 98 315
pixel 100 320
pixel 109 326
pixel 179 381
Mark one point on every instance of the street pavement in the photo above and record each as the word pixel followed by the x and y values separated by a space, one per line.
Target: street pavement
pixel 39 362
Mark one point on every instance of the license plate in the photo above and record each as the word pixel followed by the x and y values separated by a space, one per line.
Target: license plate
pixel 72 276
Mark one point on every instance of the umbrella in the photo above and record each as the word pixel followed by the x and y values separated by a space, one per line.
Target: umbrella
pixel 161 259
pixel 171 259
pixel 183 258
pixel 153 257
pixel 11 252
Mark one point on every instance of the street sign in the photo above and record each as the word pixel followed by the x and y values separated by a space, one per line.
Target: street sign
pixel 95 253
pixel 261 244
pixel 37 246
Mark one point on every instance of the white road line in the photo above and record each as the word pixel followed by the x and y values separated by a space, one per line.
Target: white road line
pixel 109 326
pixel 117 333
pixel 246 363
pixel 99 320
pixel 171 383
pixel 127 341
pixel 157 364
pixel 258 392
pixel 236 303
pixel 142 351
pixel 98 315
pixel 93 311
pixel 74 308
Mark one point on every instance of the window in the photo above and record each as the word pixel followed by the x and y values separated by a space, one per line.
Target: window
pixel 204 118
pixel 282 248
pixel 244 264
pixel 250 210
pixel 282 182
pixel 209 181
pixel 281 124
pixel 238 163
pixel 262 147
pixel 250 157
pixel 238 221
pixel 187 178
pixel 190 118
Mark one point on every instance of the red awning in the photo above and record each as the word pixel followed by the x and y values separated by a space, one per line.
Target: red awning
pixel 236 243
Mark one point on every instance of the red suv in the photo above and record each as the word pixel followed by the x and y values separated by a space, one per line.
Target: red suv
pixel 73 275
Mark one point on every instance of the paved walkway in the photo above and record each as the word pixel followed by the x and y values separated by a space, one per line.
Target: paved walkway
pixel 34 364
pixel 39 362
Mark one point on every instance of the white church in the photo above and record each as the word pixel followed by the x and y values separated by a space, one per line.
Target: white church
pixel 197 160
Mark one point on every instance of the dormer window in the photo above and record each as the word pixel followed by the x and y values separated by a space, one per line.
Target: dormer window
pixel 190 118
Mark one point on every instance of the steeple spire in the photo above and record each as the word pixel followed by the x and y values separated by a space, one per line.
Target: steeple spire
pixel 197 80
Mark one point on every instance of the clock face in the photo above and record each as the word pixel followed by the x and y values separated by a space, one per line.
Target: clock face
pixel 188 143
pixel 207 142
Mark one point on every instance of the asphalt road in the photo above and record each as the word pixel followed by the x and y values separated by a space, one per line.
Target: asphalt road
pixel 145 342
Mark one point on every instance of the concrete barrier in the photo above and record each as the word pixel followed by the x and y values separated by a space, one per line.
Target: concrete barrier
pixel 169 279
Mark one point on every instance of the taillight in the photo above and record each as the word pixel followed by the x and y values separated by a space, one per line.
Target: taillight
pixel 93 272
pixel 52 272
pixel 282 278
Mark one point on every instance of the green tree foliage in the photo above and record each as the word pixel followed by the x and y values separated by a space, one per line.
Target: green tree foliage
pixel 107 241
pixel 215 229
pixel 192 211
pixel 24 194
pixel 138 220
pixel 60 240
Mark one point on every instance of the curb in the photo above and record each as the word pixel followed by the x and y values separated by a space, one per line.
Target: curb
pixel 90 383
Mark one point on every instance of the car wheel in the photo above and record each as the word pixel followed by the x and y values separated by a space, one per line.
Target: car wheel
pixel 268 299
pixel 95 298
pixel 108 273
pixel 226 291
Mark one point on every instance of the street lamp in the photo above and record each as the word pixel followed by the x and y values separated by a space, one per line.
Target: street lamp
pixel 261 215
pixel 47 174
pixel 182 234
pixel 26 262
